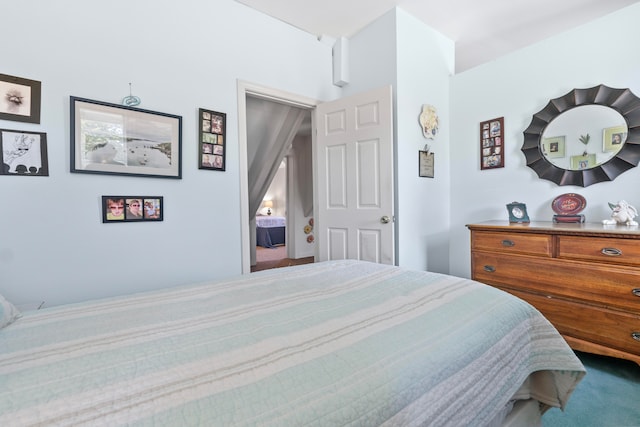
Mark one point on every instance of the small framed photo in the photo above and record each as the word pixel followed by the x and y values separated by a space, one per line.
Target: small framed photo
pixel 553 147
pixel 132 208
pixel 585 161
pixel 518 213
pixel 212 140
pixel 426 163
pixel 117 140
pixel 23 153
pixel 613 138
pixel 492 143
pixel 20 99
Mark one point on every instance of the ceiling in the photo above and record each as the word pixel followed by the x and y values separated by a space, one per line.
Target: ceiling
pixel 481 29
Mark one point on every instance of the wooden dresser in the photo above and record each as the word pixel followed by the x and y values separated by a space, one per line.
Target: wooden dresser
pixel 585 278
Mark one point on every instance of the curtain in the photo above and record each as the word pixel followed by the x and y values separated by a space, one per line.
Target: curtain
pixel 271 128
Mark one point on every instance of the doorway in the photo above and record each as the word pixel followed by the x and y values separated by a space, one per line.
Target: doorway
pixel 270 122
pixel 354 149
pixel 273 246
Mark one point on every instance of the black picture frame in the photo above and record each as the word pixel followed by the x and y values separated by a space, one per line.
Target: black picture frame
pixel 23 153
pixel 114 139
pixel 151 209
pixel 492 143
pixel 21 99
pixel 212 140
pixel 426 164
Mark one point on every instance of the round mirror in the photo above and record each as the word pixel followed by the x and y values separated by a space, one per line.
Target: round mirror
pixel 584 137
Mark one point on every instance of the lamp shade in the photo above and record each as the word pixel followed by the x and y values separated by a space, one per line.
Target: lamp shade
pixel 268 203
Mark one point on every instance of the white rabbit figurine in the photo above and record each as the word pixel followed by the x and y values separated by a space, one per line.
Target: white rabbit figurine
pixel 621 213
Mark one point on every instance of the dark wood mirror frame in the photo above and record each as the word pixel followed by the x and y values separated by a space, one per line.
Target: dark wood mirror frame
pixel 621 100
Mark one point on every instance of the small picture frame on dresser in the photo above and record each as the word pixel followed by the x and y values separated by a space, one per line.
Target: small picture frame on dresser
pixel 518 213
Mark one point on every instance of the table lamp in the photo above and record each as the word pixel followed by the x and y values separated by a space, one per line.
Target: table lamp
pixel 268 204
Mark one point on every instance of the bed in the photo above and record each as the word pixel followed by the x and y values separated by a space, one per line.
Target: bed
pixel 336 343
pixel 270 230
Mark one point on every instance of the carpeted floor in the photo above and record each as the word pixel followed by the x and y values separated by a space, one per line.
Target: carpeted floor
pixel 608 396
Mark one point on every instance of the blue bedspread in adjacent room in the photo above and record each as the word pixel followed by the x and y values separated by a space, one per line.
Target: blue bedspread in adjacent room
pixel 339 343
pixel 270 231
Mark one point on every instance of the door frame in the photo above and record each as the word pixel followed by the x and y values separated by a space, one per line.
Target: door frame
pixel 245 88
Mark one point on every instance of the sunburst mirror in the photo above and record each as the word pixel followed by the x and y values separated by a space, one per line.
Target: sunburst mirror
pixel 591 145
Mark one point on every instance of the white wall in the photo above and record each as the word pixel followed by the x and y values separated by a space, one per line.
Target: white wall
pixel 516 87
pixel 179 56
pixel 417 61
pixel 184 55
pixel 425 62
pixel 299 179
pixel 372 56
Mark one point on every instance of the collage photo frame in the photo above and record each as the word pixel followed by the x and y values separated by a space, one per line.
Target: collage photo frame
pixel 492 143
pixel 118 209
pixel 212 140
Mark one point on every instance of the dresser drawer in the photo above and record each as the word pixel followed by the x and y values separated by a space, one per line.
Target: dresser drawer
pixel 604 285
pixel 610 250
pixel 585 278
pixel 532 244
pixel 601 326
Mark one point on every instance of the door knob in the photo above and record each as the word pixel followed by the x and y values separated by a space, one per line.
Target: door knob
pixel 385 219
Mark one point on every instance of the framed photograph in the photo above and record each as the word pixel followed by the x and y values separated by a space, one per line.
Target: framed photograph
pixel 492 143
pixel 613 138
pixel 119 140
pixel 553 147
pixel 20 99
pixel 132 208
pixel 426 163
pixel 583 162
pixel 518 213
pixel 213 138
pixel 23 153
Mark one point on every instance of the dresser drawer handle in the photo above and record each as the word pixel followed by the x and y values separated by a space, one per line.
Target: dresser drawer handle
pixel 508 243
pixel 611 251
pixel 489 269
pixel 635 336
pixel 636 292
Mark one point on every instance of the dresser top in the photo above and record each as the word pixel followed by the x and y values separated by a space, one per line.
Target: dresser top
pixel 587 228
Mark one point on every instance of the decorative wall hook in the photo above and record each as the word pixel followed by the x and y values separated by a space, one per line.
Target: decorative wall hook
pixel 130 101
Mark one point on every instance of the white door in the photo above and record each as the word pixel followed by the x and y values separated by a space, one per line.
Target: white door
pixel 354 178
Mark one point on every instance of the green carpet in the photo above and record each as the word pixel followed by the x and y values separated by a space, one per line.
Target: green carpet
pixel 608 396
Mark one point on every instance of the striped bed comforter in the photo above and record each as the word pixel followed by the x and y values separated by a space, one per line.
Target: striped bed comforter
pixel 339 343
